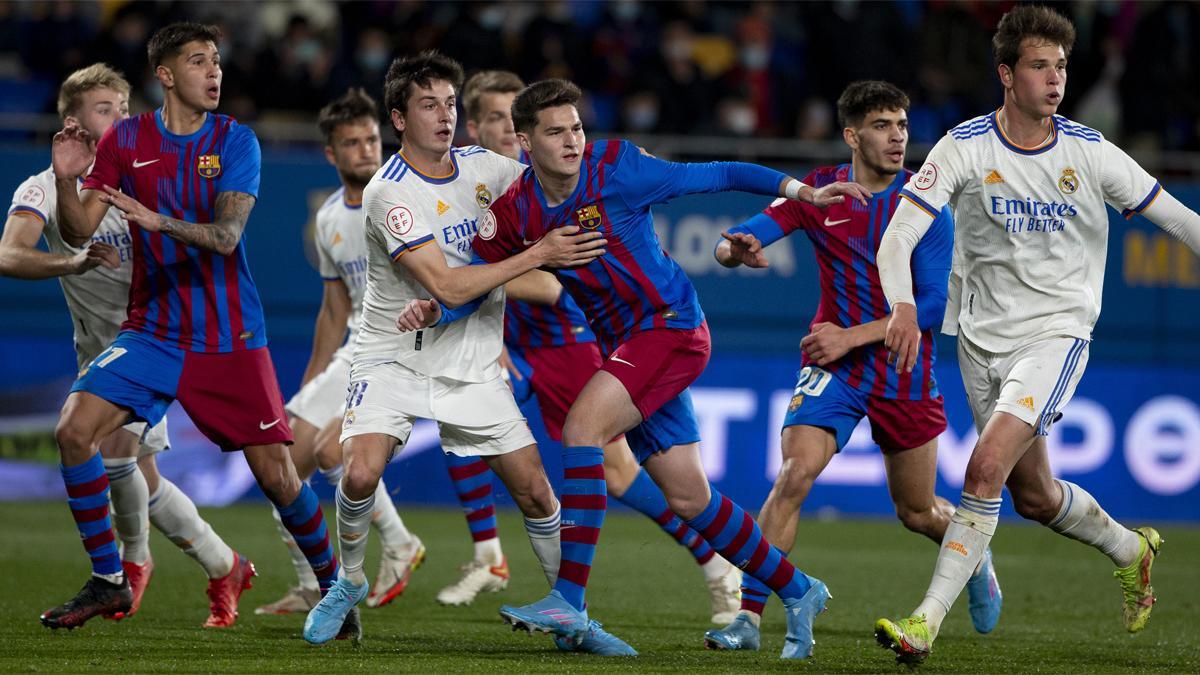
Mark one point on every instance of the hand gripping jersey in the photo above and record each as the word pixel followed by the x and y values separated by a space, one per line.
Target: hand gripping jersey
pixel 342 255
pixel 405 211
pixel 97 299
pixel 1031 233
pixel 845 239
pixel 193 299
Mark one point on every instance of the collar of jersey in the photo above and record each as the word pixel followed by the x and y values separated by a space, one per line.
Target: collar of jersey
pixel 436 180
pixel 897 183
pixel 1036 150
pixel 347 203
pixel 162 128
pixel 571 199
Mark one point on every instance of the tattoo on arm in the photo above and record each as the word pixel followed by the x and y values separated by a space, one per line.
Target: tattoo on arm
pixel 221 235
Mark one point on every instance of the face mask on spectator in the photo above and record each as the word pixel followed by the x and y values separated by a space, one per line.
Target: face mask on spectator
pixel 755 57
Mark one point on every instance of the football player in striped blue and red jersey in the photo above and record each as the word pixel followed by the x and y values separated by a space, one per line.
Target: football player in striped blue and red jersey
pixel 185 179
pixel 552 353
pixel 650 327
pixel 845 375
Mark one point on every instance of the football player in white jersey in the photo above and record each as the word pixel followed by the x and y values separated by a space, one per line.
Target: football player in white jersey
pixel 1029 189
pixel 350 128
pixel 95 281
pixel 422 209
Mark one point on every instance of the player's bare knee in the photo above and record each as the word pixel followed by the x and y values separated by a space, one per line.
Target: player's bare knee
pixel 537 500
pixel 74 441
pixel 916 520
pixel 1035 506
pixel 359 480
pixel 687 506
pixel 795 479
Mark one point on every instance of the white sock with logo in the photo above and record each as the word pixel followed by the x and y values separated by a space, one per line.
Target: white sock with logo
pixel 354 525
pixel 545 536
pixel 967 538
pixel 130 508
pixel 174 514
pixel 1081 518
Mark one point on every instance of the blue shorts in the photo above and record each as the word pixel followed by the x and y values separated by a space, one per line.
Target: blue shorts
pixel 136 372
pixel 672 424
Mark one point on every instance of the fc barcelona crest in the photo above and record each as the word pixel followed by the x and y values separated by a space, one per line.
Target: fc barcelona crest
pixel 483 196
pixel 588 217
pixel 208 166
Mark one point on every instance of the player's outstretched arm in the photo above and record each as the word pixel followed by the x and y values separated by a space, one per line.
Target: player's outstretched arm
pixel 220 236
pixel 20 257
pixel 741 248
pixel 330 329
pixel 908 225
pixel 1176 219
pixel 562 247
pixel 78 214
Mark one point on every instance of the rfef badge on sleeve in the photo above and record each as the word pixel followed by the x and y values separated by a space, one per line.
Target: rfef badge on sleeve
pixel 208 166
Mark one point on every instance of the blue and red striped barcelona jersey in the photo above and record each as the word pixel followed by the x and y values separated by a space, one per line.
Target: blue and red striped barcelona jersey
pixel 635 285
pixel 845 238
pixel 195 299
pixel 528 324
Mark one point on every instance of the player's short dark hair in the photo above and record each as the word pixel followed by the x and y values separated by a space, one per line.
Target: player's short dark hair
pixel 168 40
pixel 488 82
pixel 1030 21
pixel 862 97
pixel 539 96
pixel 408 72
pixel 353 106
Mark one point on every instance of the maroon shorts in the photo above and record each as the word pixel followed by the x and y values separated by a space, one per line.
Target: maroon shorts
pixel 559 374
pixel 234 398
pixel 901 425
pixel 656 365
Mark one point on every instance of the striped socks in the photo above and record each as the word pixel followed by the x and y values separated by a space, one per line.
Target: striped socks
pixel 967 538
pixel 87 495
pixel 644 495
pixel 734 534
pixel 547 545
pixel 303 519
pixel 583 504
pixel 472 479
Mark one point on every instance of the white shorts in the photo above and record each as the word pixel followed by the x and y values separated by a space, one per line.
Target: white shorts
pixel 474 418
pixel 1032 382
pixel 323 399
pixel 153 441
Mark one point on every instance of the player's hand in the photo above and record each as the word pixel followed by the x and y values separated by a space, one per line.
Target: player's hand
pixel 71 152
pixel 836 193
pixel 903 340
pixel 826 343
pixel 132 210
pixel 509 367
pixel 569 247
pixel 746 249
pixel 419 314
pixel 95 255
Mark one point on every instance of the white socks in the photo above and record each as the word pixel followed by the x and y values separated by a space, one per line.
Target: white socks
pixel 488 551
pixel 1081 518
pixel 715 568
pixel 967 538
pixel 392 531
pixel 544 536
pixel 174 514
pixel 304 573
pixel 353 524
pixel 130 504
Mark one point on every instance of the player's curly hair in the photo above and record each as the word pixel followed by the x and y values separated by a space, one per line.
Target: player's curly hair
pixel 95 76
pixel 353 106
pixel 539 96
pixel 408 72
pixel 488 82
pixel 865 96
pixel 1030 21
pixel 168 40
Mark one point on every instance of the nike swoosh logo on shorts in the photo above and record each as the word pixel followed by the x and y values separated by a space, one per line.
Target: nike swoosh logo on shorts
pixel 264 426
pixel 138 165
pixel 831 223
pixel 621 360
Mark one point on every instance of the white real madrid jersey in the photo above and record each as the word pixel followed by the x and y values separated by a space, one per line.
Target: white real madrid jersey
pixel 99 298
pixel 405 211
pixel 1031 227
pixel 342 255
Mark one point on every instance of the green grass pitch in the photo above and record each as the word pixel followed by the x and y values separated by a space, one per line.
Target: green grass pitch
pixel 1061 611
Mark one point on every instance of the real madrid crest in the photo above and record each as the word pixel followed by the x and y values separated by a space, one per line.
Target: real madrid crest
pixel 1068 182
pixel 483 196
pixel 588 217
pixel 208 166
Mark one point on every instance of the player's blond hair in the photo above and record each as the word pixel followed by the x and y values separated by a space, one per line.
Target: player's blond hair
pixel 95 76
pixel 488 82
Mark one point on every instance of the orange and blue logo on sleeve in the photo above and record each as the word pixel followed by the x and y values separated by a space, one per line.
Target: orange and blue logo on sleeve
pixel 208 166
pixel 589 217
